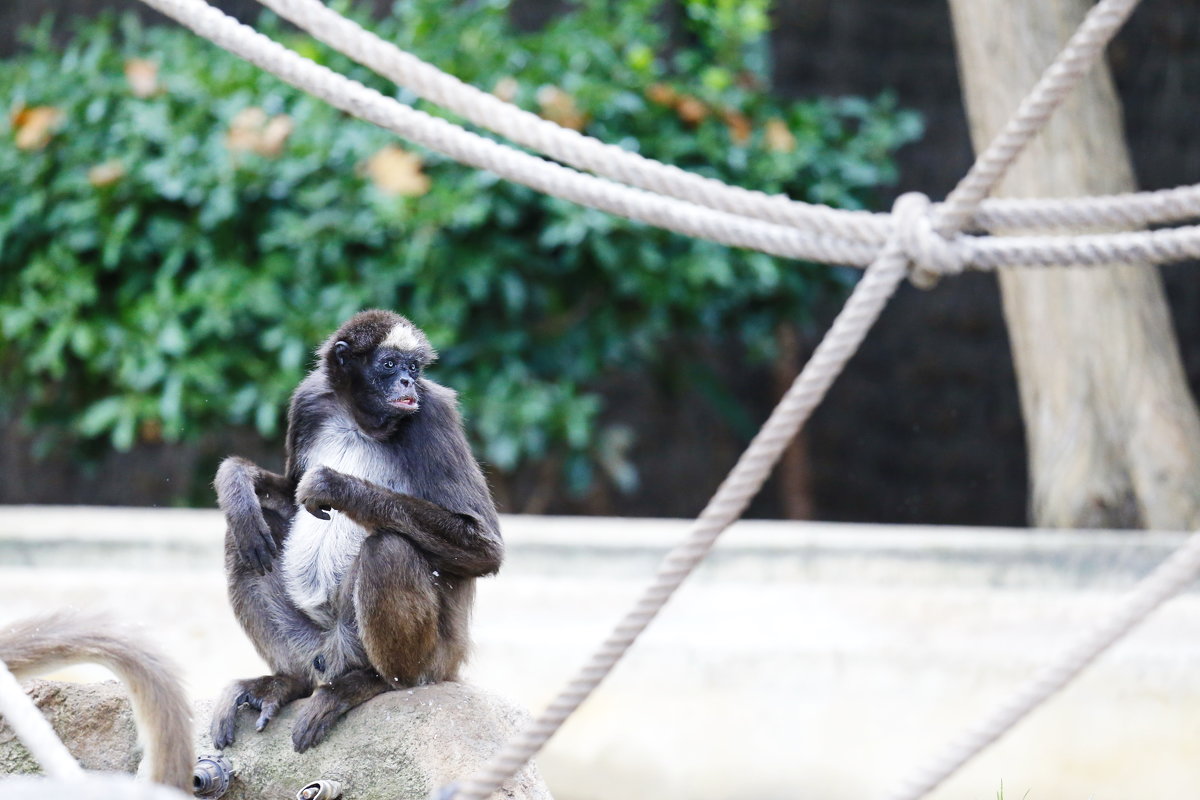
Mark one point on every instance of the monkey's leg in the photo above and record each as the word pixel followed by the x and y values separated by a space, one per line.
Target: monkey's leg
pixel 454 642
pixel 267 694
pixel 283 636
pixel 330 702
pixel 396 605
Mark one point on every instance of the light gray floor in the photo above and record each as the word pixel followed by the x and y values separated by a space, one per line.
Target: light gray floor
pixel 806 660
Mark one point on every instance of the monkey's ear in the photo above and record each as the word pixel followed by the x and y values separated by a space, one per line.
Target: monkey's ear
pixel 341 351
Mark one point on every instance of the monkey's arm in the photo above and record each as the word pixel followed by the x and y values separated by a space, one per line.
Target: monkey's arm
pixel 459 544
pixel 252 497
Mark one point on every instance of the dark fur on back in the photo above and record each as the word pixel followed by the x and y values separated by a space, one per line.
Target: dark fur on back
pixel 382 447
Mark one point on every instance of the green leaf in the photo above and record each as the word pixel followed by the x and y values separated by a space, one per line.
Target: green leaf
pixel 191 291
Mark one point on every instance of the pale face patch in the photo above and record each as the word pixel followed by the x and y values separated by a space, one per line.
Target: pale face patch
pixel 402 337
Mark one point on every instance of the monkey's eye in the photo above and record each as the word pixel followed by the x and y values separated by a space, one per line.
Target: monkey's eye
pixel 389 363
pixel 415 366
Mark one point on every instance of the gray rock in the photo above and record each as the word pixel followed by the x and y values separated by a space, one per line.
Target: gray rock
pixel 401 745
pixel 94 721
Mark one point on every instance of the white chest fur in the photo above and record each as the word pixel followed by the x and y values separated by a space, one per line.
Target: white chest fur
pixel 318 552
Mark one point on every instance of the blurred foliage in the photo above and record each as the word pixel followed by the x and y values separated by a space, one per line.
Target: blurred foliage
pixel 180 229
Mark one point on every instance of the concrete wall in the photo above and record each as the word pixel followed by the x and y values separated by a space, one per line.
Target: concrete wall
pixel 811 660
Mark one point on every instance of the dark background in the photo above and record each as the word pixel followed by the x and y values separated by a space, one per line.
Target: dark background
pixel 924 426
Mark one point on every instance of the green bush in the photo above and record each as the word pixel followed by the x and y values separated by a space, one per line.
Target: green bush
pixel 180 229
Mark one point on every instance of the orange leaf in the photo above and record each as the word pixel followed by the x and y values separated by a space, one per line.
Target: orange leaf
pixel 558 106
pixel 395 171
pixel 106 174
pixel 506 88
pixel 691 110
pixel 245 128
pixel 35 126
pixel 662 94
pixel 274 134
pixel 250 131
pixel 778 137
pixel 142 76
pixel 739 126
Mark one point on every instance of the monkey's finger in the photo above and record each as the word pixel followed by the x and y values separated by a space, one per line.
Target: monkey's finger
pixel 264 534
pixel 255 559
pixel 224 724
pixel 268 712
pixel 265 553
pixel 313 507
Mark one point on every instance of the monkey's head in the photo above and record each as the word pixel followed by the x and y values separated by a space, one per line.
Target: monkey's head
pixel 374 363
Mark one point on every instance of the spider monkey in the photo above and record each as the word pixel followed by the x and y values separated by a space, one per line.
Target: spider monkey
pixel 160 706
pixel 354 571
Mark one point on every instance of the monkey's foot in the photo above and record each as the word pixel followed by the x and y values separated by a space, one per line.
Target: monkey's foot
pixel 267 695
pixel 330 702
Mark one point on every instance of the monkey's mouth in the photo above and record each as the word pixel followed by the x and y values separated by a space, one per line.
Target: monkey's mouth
pixel 408 402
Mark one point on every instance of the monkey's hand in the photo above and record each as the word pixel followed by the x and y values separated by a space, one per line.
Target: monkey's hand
pixel 255 544
pixel 320 490
pixel 244 491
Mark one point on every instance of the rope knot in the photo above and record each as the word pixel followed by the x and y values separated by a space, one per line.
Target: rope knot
pixel 930 254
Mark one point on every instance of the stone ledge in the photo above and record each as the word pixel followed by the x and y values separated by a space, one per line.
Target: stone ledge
pixel 400 746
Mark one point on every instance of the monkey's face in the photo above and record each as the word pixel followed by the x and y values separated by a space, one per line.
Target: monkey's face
pixel 374 363
pixel 396 376
pixel 383 385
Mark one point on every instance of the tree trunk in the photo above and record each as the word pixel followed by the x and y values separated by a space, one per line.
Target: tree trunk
pixel 1113 433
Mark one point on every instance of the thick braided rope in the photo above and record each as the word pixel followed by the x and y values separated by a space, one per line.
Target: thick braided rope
pixel 469 148
pixel 564 144
pixel 911 240
pixel 1167 580
pixel 1081 51
pixel 743 482
pixel 614 162
pixel 34 730
pixel 672 214
pixel 1162 246
pixel 1134 210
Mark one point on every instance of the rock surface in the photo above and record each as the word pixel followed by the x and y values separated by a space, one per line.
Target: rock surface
pixel 94 721
pixel 402 745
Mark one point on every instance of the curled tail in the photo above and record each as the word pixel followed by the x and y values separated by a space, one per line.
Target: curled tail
pixel 164 716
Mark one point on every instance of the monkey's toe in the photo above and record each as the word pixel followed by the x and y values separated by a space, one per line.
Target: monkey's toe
pixel 269 709
pixel 223 729
pixel 310 733
pixel 315 721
